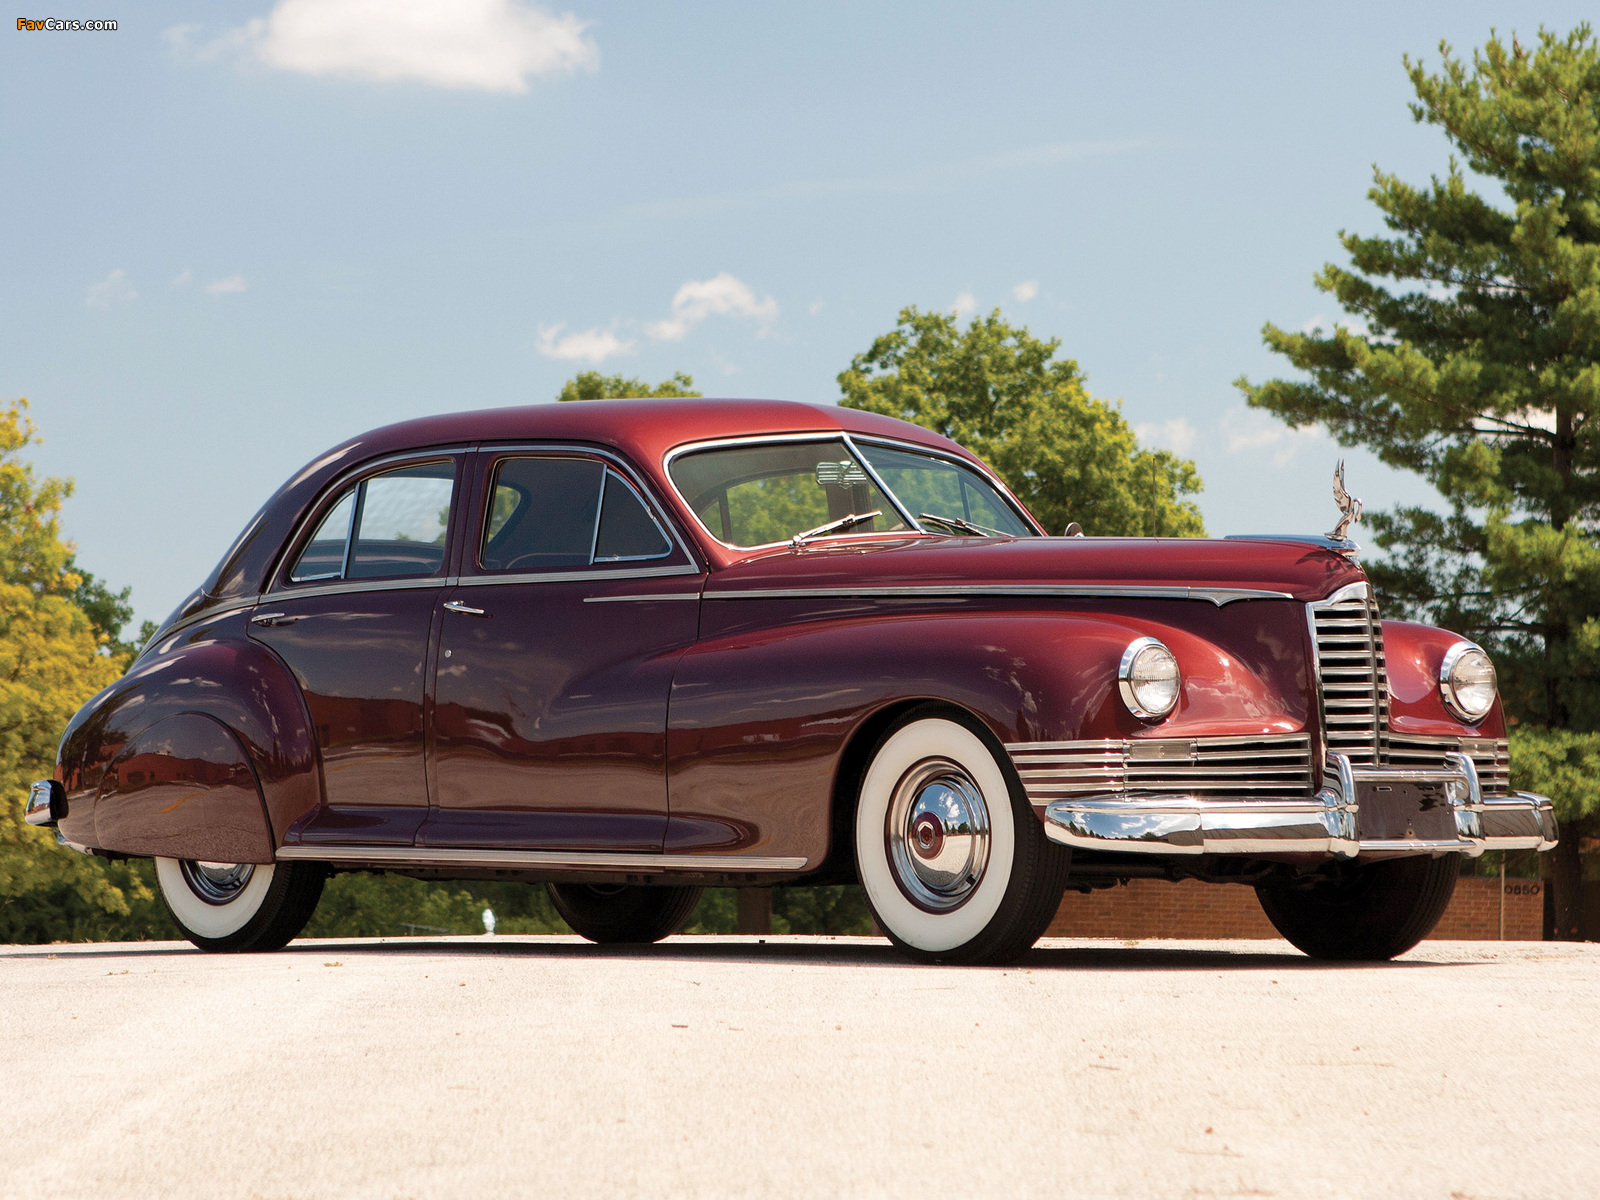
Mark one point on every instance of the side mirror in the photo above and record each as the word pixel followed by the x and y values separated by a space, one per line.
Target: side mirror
pixel 1073 529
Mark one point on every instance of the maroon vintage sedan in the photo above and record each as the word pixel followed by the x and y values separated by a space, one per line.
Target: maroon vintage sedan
pixel 634 648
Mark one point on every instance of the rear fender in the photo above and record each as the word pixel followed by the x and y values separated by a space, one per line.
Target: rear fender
pixel 211 671
pixel 183 789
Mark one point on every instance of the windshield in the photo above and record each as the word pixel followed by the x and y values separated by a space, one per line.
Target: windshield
pixel 759 495
pixel 944 496
pixel 756 495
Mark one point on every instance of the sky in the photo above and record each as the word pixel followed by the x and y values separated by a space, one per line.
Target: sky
pixel 234 235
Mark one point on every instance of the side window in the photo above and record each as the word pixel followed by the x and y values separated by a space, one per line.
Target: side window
pixel 401 521
pixel 323 557
pixel 390 526
pixel 564 514
pixel 628 533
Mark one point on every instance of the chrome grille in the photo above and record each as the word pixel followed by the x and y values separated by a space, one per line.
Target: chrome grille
pixel 1352 685
pixel 1492 757
pixel 1268 766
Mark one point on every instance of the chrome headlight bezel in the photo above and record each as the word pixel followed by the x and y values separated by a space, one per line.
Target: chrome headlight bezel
pixel 1145 649
pixel 1451 686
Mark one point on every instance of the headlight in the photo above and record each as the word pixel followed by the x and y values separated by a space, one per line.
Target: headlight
pixel 1148 679
pixel 1467 682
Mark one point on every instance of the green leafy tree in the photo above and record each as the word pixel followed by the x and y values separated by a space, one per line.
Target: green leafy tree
pixel 1473 358
pixel 53 657
pixel 591 385
pixel 1003 394
pixel 108 613
pixel 829 909
pixel 369 904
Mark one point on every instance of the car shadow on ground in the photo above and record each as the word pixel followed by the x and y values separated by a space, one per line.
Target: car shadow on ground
pixel 756 952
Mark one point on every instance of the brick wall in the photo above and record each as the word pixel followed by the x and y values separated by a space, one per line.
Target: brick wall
pixel 1474 912
pixel 1150 908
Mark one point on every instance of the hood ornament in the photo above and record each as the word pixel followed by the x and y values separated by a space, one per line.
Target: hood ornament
pixel 1349 506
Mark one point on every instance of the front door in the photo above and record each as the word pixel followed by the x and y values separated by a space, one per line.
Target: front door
pixel 352 615
pixel 556 654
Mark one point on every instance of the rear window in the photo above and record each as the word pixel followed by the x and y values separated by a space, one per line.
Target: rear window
pixel 388 526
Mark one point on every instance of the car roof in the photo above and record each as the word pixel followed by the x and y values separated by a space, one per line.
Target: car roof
pixel 643 429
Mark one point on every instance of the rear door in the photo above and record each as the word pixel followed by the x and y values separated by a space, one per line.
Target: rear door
pixel 352 614
pixel 557 646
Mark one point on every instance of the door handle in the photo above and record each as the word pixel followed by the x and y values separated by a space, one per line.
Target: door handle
pixel 273 619
pixel 456 606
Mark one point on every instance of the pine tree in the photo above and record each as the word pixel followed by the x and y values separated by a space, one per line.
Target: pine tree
pixel 1472 357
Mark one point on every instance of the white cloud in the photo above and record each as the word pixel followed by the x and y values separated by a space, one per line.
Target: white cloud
pixel 722 295
pixel 1026 290
pixel 227 286
pixel 590 345
pixel 1321 326
pixel 115 288
pixel 815 307
pixel 185 42
pixel 1251 430
pixel 183 278
pixel 964 304
pixel 1176 435
pixel 483 45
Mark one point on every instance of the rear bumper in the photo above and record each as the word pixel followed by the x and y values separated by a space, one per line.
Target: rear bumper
pixel 1326 823
pixel 46 803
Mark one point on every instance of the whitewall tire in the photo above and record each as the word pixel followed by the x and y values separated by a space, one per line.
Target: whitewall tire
pixel 239 906
pixel 955 865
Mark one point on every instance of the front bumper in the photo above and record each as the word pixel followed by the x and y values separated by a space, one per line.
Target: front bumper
pixel 1326 823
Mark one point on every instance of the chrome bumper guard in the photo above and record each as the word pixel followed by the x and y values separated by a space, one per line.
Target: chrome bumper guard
pixel 1326 823
pixel 46 804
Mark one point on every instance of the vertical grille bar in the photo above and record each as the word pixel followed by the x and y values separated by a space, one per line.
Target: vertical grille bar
pixel 1352 680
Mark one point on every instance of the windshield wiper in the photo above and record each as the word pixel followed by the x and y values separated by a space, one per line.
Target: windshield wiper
pixel 959 525
pixel 844 522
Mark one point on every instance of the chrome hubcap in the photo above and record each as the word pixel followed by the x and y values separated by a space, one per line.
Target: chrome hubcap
pixel 217 883
pixel 938 835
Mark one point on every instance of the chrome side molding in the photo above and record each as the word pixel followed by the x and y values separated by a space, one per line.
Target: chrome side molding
pixel 441 856
pixel 963 591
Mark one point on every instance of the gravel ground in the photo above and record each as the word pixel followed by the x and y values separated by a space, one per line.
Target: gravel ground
pixel 797 1066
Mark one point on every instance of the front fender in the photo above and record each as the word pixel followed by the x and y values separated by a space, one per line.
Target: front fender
pixel 210 671
pixel 1413 655
pixel 759 717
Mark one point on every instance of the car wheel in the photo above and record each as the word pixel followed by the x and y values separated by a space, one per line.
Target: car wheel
pixel 618 913
pixel 1370 913
pixel 955 865
pixel 240 906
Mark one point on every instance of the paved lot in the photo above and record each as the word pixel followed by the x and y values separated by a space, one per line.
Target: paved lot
pixel 797 1067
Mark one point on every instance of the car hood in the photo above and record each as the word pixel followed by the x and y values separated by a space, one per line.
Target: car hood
pixel 1205 568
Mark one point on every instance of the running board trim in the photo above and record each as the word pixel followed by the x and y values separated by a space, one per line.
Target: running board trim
pixel 440 856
